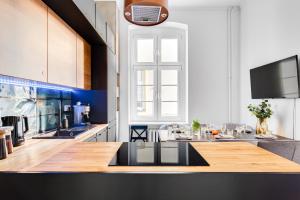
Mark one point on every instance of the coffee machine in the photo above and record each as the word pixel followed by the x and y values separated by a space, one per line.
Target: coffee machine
pixel 81 114
pixel 20 124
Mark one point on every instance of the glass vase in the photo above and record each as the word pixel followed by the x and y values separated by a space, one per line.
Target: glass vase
pixel 262 126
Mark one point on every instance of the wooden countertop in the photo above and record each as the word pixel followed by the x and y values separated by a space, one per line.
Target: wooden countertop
pixel 73 155
pixel 222 157
pixel 36 151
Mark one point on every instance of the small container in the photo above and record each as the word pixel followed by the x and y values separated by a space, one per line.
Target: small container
pixel 9 144
pixel 8 138
pixel 3 150
pixel 65 123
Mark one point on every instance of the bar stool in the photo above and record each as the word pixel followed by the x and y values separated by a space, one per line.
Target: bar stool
pixel 138 133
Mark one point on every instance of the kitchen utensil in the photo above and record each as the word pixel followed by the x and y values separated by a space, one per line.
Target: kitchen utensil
pixel 20 124
pixel 9 144
pixel 81 114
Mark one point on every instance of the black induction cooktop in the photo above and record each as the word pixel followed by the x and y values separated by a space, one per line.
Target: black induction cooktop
pixel 157 154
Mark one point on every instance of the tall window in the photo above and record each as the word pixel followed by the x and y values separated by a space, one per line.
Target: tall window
pixel 158 87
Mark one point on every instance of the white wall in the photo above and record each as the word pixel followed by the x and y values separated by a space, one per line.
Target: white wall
pixel 208 62
pixel 269 31
pixel 208 65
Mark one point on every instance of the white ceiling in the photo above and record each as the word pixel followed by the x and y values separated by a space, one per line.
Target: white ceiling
pixel 202 3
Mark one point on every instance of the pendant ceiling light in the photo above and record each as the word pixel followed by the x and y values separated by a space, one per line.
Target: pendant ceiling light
pixel 146 12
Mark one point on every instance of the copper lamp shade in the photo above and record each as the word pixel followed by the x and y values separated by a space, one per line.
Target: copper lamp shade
pixel 146 12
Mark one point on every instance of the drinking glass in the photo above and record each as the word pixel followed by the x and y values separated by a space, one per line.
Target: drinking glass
pixel 230 132
pixel 203 129
pixel 239 130
pixel 223 129
pixel 243 128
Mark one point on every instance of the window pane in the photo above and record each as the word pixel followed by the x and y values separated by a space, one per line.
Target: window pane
pixel 145 77
pixel 145 109
pixel 169 93
pixel 145 49
pixel 145 93
pixel 169 77
pixel 169 109
pixel 169 50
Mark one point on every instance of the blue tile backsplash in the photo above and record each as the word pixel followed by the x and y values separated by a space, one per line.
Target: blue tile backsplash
pixel 41 106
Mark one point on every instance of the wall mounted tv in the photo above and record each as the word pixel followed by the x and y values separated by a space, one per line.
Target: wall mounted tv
pixel 276 80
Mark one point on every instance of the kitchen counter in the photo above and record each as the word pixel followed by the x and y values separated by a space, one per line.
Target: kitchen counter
pixel 238 170
pixel 36 151
pixel 76 156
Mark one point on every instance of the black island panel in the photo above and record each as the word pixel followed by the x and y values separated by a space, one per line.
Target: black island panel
pixel 149 186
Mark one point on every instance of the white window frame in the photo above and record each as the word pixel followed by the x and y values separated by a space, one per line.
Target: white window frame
pixel 133 83
pixel 158 33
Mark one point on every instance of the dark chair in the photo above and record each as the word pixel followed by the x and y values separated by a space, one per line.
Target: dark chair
pixel 284 149
pixel 138 133
pixel 296 157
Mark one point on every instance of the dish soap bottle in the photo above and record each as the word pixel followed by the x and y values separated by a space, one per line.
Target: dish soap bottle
pixel 65 122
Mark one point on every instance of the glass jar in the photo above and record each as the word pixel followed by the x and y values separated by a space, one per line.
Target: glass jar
pixel 8 138
pixel 262 126
pixel 3 151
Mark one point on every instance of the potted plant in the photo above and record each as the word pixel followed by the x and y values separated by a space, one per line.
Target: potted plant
pixel 262 112
pixel 196 126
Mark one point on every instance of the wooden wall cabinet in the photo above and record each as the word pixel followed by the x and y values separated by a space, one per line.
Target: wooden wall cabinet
pixel 23 39
pixel 87 7
pixel 61 52
pixel 83 64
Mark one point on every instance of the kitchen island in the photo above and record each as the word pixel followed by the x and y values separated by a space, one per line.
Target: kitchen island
pixel 222 157
pixel 65 155
pixel 79 170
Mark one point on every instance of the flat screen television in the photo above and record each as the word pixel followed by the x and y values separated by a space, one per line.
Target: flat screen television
pixel 276 80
